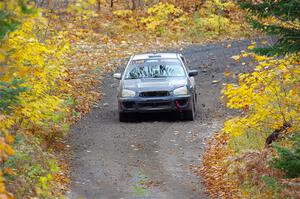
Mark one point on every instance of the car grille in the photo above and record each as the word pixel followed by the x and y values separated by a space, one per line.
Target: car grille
pixel 128 104
pixel 155 94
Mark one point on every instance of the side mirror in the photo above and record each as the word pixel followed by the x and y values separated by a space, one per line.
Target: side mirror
pixel 193 73
pixel 118 76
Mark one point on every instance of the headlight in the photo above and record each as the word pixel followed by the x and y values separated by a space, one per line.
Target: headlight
pixel 181 91
pixel 128 93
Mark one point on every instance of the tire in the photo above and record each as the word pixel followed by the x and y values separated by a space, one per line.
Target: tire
pixel 126 117
pixel 189 115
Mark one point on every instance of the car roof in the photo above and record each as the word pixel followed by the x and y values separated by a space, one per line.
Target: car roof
pixel 156 55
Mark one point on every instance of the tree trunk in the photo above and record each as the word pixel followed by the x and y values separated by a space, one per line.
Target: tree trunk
pixel 133 5
pixel 276 134
pixel 141 3
pixel 111 4
pixel 98 5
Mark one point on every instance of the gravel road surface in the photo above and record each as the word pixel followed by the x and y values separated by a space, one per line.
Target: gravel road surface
pixel 150 158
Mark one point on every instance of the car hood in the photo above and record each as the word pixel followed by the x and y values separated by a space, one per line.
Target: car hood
pixel 154 84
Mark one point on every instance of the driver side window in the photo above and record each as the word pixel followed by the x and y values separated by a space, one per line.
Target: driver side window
pixel 184 62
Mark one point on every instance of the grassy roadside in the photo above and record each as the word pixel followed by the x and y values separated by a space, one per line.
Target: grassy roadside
pixel 240 161
pixel 228 174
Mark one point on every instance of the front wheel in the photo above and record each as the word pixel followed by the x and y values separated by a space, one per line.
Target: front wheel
pixel 189 115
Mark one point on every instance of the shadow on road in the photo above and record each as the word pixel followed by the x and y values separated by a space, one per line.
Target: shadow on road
pixel 157 117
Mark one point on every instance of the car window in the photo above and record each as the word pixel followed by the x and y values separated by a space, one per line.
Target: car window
pixel 154 68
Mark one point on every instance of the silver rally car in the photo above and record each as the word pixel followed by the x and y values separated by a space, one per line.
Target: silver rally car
pixel 158 82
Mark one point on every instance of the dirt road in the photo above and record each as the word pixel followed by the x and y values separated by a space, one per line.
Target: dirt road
pixel 151 158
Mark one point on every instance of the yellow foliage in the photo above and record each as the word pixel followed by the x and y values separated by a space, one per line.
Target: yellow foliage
pixel 267 97
pixel 228 5
pixel 216 16
pixel 122 13
pixel 163 15
pixel 82 7
pixel 215 23
pixel 41 66
pixel 40 63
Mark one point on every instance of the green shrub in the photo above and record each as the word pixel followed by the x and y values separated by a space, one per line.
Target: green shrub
pixel 289 159
pixel 272 184
pixel 32 169
pixel 9 92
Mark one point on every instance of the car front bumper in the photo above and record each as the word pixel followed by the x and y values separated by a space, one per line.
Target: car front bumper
pixel 151 104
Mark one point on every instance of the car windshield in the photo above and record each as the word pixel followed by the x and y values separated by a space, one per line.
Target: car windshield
pixel 154 68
